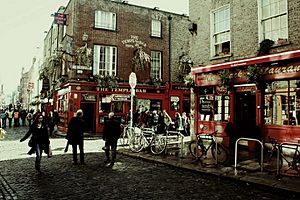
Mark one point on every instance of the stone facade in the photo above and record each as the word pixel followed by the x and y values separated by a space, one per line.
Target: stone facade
pixel 243 26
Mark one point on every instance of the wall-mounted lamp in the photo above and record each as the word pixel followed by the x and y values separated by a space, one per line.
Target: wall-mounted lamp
pixel 85 37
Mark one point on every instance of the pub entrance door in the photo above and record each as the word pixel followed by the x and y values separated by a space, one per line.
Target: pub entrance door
pixel 245 114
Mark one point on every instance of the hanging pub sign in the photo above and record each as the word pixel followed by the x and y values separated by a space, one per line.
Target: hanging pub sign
pixel 60 18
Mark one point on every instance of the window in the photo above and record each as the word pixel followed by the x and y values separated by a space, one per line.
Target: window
pixel 156 28
pixel 155 71
pixel 282 103
pixel 105 60
pixel 274 20
pixel 214 108
pixel 221 31
pixel 105 20
pixel 175 103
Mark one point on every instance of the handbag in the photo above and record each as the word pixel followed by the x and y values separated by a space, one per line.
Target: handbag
pixel 2 134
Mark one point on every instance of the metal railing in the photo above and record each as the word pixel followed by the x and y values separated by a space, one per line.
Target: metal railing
pixel 175 134
pixel 248 139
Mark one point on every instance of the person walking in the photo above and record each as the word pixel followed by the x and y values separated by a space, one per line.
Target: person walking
pixel 75 135
pixel 10 117
pixel 111 134
pixel 39 141
pixel 29 117
pixel 51 123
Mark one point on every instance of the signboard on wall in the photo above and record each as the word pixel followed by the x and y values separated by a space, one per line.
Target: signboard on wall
pixel 89 97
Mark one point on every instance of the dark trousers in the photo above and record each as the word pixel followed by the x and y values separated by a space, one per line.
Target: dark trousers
pixel 9 122
pixel 38 158
pixel 74 147
pixel 111 145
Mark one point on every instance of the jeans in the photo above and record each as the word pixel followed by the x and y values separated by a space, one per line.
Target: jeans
pixel 111 145
pixel 38 158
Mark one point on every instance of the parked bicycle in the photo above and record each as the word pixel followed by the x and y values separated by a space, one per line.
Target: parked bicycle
pixel 148 139
pixel 270 155
pixel 270 158
pixel 126 134
pixel 198 148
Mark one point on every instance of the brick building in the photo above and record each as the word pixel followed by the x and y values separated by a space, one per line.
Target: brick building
pixel 248 72
pixel 92 42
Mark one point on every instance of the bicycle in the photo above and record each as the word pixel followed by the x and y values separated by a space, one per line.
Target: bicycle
pixel 270 162
pixel 270 155
pixel 126 134
pixel 148 139
pixel 198 149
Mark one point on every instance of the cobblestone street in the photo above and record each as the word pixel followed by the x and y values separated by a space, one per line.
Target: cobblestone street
pixel 129 178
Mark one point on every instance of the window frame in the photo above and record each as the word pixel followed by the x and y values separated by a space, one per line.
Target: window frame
pixel 156 28
pixel 213 34
pixel 110 66
pixel 261 20
pixel 110 23
pixel 157 64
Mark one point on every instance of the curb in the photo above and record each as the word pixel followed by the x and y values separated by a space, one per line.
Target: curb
pixel 256 179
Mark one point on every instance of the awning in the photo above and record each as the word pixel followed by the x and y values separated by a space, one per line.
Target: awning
pixel 248 61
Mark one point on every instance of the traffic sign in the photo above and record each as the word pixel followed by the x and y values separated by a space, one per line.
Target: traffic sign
pixel 132 80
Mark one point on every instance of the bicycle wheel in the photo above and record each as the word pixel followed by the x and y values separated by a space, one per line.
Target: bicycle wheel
pixel 270 162
pixel 121 140
pixel 221 153
pixel 195 150
pixel 158 144
pixel 136 143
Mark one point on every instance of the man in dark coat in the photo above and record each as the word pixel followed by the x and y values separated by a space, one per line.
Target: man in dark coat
pixel 75 135
pixel 111 134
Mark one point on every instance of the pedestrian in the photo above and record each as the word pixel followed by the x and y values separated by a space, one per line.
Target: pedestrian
pixel 178 122
pixel 16 118
pixel 75 135
pixel 51 123
pixel 39 140
pixel 10 117
pixel 23 115
pixel 111 134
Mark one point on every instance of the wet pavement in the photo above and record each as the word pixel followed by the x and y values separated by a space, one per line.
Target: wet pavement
pixel 134 176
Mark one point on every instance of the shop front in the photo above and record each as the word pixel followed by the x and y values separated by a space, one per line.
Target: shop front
pixel 96 102
pixel 260 103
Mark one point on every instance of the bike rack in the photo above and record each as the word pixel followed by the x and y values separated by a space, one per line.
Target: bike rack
pixel 248 139
pixel 280 149
pixel 177 134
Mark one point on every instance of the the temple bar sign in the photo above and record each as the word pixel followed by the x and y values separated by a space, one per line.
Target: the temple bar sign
pixel 60 18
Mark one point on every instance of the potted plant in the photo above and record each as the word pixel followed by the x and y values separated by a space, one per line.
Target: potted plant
pixel 107 81
pixel 188 81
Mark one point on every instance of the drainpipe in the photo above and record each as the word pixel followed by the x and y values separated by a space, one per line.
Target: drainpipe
pixel 170 46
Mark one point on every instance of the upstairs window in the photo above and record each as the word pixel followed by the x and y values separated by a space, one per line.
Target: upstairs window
pixel 105 20
pixel 155 71
pixel 274 20
pixel 221 31
pixel 156 28
pixel 105 60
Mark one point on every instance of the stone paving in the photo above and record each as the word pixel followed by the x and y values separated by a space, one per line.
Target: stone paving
pixel 129 178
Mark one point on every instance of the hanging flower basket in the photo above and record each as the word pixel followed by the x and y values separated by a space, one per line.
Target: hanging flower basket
pixel 188 81
pixel 156 82
pixel 226 78
pixel 107 81
pixel 254 74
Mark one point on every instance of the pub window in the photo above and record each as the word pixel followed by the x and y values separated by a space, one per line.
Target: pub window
pixel 104 104
pixel 155 105
pixel 214 108
pixel 175 103
pixel 282 103
pixel 117 107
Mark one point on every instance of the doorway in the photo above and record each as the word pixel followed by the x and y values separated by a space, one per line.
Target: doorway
pixel 89 116
pixel 245 115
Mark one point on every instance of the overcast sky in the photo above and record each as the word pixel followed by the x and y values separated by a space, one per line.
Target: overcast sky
pixel 22 26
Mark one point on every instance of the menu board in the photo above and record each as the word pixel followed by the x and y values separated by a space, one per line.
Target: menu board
pixel 206 106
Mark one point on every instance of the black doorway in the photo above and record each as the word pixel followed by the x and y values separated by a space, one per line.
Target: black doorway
pixel 89 116
pixel 245 114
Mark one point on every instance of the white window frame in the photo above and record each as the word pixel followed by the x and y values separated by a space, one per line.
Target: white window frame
pixel 105 20
pixel 156 64
pixel 105 64
pixel 262 19
pixel 155 28
pixel 214 33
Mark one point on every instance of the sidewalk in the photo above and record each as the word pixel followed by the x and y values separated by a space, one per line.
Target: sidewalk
pixel 250 173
